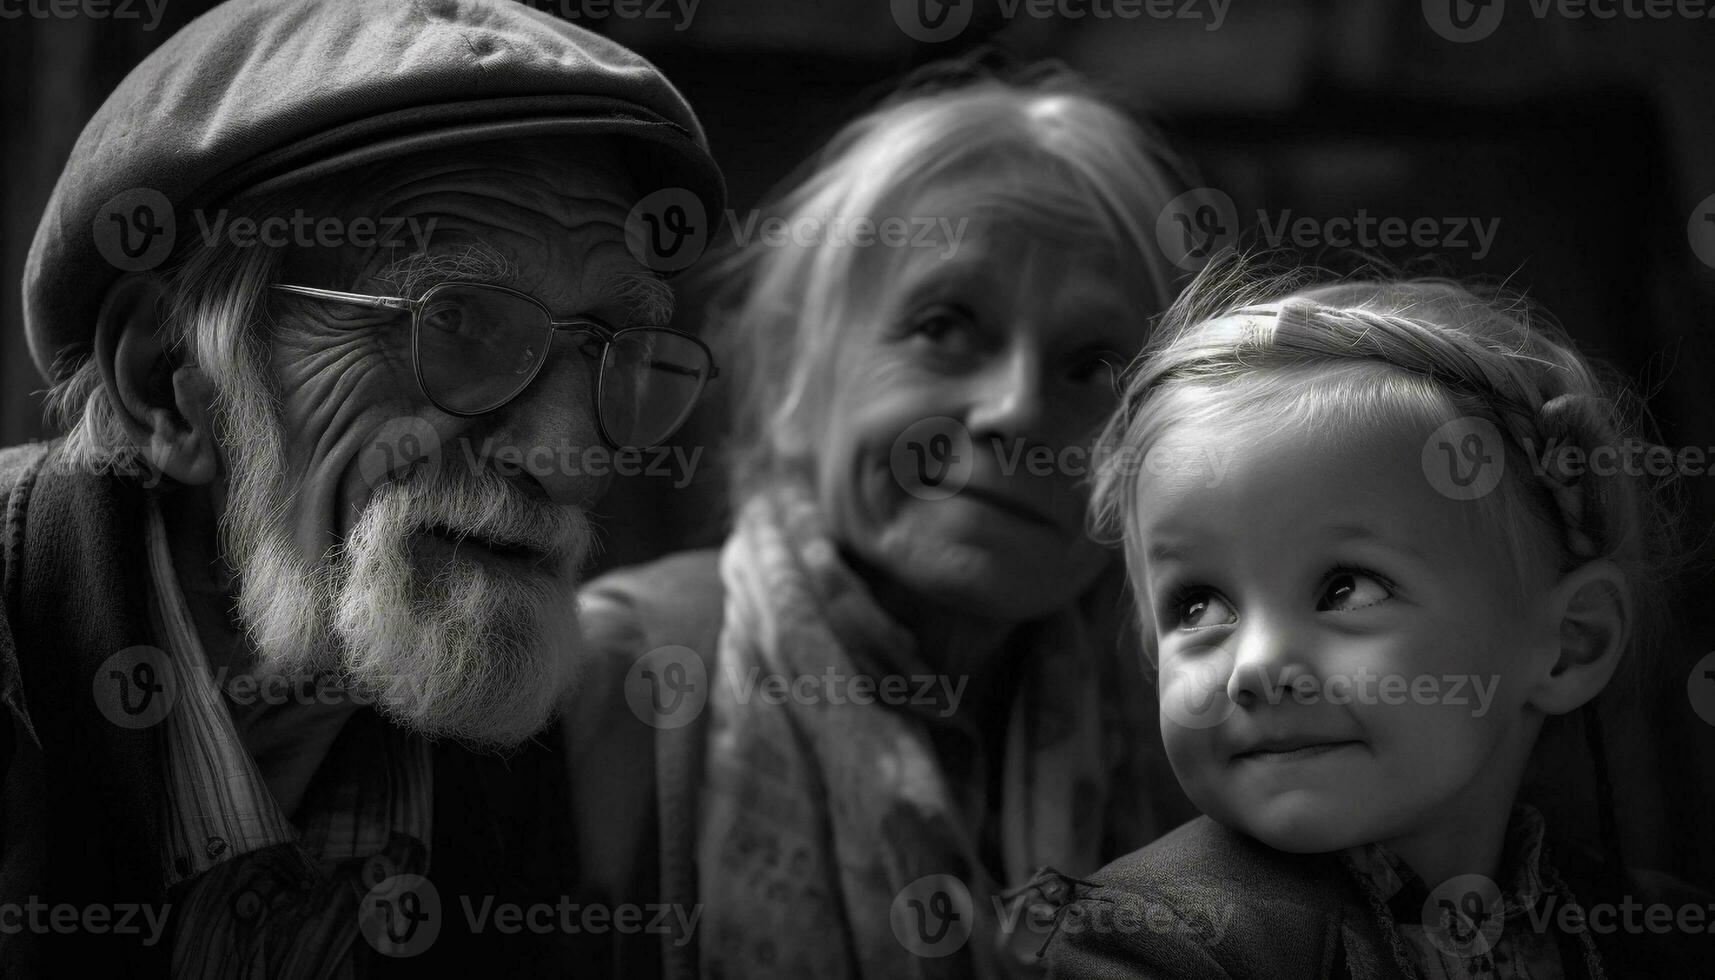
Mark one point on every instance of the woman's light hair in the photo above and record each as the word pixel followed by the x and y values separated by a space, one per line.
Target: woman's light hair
pixel 1045 153
pixel 1256 353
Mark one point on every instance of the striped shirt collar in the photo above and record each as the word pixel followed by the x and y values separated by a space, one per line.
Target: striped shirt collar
pixel 218 804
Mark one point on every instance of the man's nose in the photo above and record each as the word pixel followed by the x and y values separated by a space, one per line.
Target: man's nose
pixel 1267 663
pixel 551 433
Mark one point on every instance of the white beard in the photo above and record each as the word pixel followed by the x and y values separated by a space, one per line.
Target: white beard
pixel 446 647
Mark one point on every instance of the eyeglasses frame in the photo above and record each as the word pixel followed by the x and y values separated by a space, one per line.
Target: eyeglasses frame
pixel 580 324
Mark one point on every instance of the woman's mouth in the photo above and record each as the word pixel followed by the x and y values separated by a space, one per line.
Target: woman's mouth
pixel 1292 749
pixel 1010 506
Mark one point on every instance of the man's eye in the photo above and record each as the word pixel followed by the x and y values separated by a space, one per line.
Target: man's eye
pixel 1350 589
pixel 1200 609
pixel 447 318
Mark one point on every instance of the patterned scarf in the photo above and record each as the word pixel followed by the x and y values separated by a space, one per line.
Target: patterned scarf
pixel 836 839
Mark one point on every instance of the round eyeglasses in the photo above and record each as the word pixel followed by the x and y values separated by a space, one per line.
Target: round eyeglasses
pixel 475 347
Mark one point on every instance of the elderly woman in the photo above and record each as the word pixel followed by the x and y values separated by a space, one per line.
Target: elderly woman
pixel 902 686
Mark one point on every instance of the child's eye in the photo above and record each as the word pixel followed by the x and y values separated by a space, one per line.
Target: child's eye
pixel 1351 588
pixel 1199 609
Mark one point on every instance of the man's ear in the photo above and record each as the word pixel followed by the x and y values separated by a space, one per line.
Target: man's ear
pixel 1594 613
pixel 166 408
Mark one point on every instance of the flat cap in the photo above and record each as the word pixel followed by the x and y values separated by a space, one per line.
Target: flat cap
pixel 260 95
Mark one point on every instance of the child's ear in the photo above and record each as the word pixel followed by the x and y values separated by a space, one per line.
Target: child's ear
pixel 1594 613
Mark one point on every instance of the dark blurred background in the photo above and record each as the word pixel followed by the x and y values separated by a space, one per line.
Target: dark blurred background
pixel 1586 143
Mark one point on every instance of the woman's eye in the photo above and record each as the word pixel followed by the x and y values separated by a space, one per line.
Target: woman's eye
pixel 945 327
pixel 1202 609
pixel 1347 591
pixel 1097 368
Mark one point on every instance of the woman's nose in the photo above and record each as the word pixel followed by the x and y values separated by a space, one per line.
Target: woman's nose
pixel 1008 397
pixel 1267 663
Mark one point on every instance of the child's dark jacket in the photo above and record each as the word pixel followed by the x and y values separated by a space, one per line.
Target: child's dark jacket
pixel 1206 902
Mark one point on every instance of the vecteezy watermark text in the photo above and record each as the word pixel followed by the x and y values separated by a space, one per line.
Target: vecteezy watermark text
pixel 571 918
pixel 859 231
pixel 837 687
pixel 92 9
pixel 1194 693
pixel 660 462
pixel 96 919
pixel 679 13
pixel 305 230
pixel 1204 221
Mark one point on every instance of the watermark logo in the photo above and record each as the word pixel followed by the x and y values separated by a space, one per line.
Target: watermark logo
pixel 1463 916
pixel 932 21
pixel 136 687
pixel 1701 231
pixel 1464 21
pixel 933 916
pixel 667 687
pixel 400 915
pixel 1464 459
pixel 1203 221
pixel 1700 688
pixel 401 445
pixel 1194 694
pixel 933 458
pixel 1195 226
pixel 135 229
pixel 668 230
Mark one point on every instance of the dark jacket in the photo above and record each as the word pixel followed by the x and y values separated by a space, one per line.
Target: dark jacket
pixel 80 807
pixel 1207 902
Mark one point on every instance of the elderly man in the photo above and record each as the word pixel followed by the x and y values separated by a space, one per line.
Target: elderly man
pixel 333 298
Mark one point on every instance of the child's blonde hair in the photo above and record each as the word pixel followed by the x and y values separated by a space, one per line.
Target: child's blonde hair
pixel 1281 348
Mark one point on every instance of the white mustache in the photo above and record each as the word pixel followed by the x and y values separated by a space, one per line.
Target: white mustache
pixel 484 505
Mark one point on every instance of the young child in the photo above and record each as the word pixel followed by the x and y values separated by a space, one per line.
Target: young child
pixel 1371 560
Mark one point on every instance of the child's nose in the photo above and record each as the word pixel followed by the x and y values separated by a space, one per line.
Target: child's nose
pixel 1266 667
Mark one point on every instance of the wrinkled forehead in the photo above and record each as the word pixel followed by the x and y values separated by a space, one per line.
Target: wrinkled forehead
pixel 519 213
pixel 1006 263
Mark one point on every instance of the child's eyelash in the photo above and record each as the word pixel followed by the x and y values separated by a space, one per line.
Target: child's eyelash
pixel 1180 596
pixel 1176 598
pixel 1343 568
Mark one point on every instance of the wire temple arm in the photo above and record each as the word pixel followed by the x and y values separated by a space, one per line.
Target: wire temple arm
pixel 355 299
